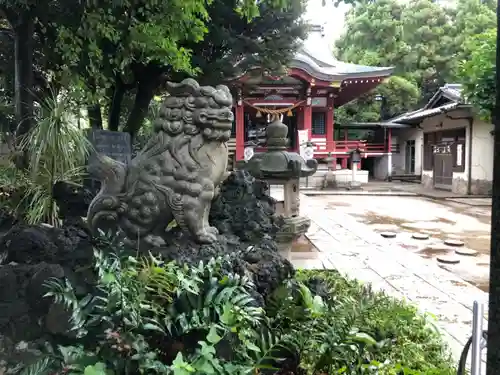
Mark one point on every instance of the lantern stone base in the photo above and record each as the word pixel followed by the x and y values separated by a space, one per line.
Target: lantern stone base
pixel 285 250
pixel 291 229
pixel 333 179
pixel 354 185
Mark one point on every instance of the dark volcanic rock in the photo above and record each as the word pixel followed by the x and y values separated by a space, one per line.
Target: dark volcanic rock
pixel 7 220
pixel 35 289
pixel 31 244
pixel 25 314
pixel 22 306
pixel 261 260
pixel 34 255
pixel 244 208
pixel 73 201
pixel 244 214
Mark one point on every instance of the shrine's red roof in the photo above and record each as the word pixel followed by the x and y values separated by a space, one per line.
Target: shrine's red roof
pixel 334 70
pixel 316 57
pixel 315 63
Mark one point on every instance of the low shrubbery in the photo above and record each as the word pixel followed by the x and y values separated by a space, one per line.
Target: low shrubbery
pixel 404 337
pixel 150 317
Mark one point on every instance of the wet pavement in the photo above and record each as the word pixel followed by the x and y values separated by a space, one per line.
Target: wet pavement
pixel 440 220
pixel 303 245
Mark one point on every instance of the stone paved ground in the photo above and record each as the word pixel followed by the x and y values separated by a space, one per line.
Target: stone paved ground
pixel 438 219
pixel 357 251
pixel 395 188
pixel 479 202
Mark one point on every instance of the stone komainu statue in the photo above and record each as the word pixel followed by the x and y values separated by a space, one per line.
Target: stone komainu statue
pixel 175 176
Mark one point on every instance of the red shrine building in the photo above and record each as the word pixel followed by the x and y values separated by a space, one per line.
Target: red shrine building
pixel 305 99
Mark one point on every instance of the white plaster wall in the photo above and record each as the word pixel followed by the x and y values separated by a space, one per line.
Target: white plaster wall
pixel 482 155
pixel 427 173
pixel 399 159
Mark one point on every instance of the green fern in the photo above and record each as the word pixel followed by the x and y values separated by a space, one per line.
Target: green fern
pixel 43 366
pixel 208 303
pixel 274 349
pixel 63 293
pixel 133 296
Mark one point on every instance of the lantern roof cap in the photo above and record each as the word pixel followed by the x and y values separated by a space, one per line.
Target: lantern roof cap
pixel 277 163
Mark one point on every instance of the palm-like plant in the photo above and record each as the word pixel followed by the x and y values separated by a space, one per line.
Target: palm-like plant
pixel 56 149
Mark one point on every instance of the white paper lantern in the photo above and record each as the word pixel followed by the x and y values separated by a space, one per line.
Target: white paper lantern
pixel 248 153
pixel 308 153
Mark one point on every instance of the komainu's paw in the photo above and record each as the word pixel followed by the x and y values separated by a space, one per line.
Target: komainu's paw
pixel 206 236
pixel 213 230
pixel 155 241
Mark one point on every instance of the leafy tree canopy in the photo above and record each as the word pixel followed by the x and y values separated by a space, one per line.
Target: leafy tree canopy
pixel 422 40
pixel 477 73
pixel 116 54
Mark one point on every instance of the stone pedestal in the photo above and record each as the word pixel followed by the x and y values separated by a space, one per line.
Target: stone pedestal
pixel 291 190
pixel 354 184
pixel 291 229
pixel 293 225
pixel 329 180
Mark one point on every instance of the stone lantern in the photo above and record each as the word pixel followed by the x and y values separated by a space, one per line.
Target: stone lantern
pixel 329 178
pixel 277 166
pixel 355 160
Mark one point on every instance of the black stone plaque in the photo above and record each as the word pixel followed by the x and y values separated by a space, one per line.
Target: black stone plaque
pixel 115 145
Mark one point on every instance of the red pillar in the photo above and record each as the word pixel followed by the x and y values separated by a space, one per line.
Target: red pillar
pixel 330 144
pixel 300 126
pixel 308 119
pixel 344 160
pixel 240 131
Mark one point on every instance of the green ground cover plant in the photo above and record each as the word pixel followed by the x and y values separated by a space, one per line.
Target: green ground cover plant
pixel 406 337
pixel 150 317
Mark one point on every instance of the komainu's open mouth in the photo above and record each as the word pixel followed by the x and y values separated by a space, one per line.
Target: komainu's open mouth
pixel 224 125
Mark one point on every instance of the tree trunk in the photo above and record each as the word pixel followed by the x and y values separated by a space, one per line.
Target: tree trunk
pixel 116 105
pixel 144 95
pixel 95 116
pixel 493 353
pixel 23 86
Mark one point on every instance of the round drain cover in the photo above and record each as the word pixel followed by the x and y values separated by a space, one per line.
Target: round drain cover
pixel 451 242
pixel 420 236
pixel 448 259
pixel 388 234
pixel 465 251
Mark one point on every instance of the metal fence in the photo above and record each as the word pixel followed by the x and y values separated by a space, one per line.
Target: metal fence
pixel 475 344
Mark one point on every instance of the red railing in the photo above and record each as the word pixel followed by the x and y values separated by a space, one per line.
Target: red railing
pixel 321 148
pixel 346 146
pixel 361 145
